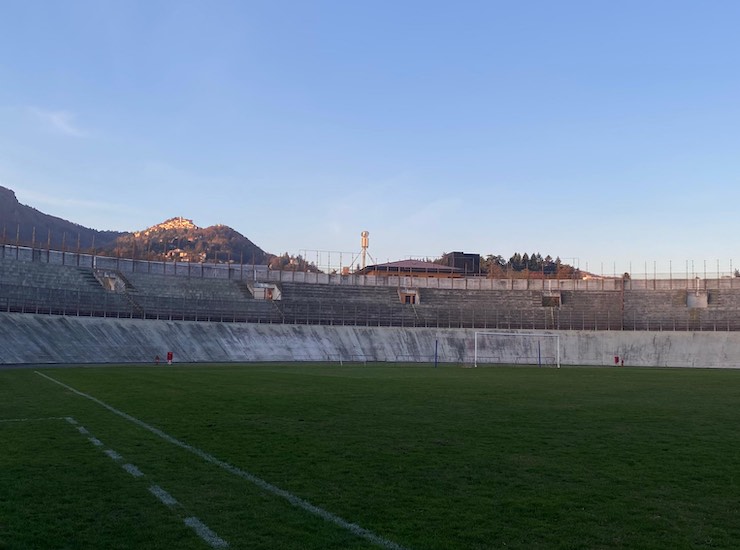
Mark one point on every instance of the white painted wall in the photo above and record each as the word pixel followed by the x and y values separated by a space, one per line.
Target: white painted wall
pixel 39 339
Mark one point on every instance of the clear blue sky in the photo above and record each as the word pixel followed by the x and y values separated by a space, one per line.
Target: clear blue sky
pixel 606 133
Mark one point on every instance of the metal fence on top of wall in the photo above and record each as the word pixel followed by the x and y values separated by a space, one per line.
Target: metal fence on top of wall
pixel 707 276
pixel 323 311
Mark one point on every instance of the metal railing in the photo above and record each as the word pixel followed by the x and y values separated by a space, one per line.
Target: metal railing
pixel 692 275
pixel 25 299
pixel 446 310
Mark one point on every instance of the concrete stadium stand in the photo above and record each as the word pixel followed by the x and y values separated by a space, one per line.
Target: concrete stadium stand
pixel 49 339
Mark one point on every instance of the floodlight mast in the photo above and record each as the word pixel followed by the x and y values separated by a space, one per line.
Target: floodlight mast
pixel 365 243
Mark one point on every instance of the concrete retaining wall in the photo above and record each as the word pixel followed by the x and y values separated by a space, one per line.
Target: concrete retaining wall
pixel 38 339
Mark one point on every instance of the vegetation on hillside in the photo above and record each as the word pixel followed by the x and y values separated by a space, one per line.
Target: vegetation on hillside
pixel 287 262
pixel 185 241
pixel 525 265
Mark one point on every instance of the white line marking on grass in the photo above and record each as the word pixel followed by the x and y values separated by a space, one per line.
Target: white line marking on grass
pixel 133 470
pixel 163 495
pixel 200 528
pixel 30 419
pixel 259 482
pixel 113 454
pixel 205 533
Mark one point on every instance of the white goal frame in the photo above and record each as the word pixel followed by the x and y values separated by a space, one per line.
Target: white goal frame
pixel 519 335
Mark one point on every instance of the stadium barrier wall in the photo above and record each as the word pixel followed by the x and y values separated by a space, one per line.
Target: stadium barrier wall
pixel 687 280
pixel 38 283
pixel 43 339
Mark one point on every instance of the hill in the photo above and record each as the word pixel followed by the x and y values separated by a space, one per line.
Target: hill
pixel 180 239
pixel 176 238
pixel 26 225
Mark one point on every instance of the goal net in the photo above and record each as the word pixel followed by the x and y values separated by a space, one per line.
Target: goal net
pixel 517 348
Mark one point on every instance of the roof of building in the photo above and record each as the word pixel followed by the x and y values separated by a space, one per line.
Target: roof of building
pixel 411 265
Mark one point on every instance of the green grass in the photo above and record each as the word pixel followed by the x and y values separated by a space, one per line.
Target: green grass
pixel 427 458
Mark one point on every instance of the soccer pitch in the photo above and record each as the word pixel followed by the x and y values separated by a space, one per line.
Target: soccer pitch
pixel 327 456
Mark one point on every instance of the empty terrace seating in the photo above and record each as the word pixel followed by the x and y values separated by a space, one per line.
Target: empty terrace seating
pixel 521 309
pixel 37 287
pixel 484 308
pixel 590 310
pixel 668 310
pixel 191 288
pixel 43 275
pixel 196 298
pixel 304 303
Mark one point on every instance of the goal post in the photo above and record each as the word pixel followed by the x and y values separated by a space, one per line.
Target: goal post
pixel 529 348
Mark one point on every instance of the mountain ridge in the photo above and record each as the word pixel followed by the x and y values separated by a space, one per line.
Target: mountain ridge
pixel 27 225
pixel 175 238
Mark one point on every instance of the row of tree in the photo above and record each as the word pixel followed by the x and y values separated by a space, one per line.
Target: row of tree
pixel 519 265
pixel 535 262
pixel 287 262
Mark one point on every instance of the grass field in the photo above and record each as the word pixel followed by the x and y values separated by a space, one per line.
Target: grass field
pixel 408 457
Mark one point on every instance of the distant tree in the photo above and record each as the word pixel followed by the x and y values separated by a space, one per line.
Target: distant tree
pixel 549 267
pixel 517 262
pixel 493 266
pixel 491 261
pixel 442 260
pixel 519 265
pixel 286 262
pixel 535 262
